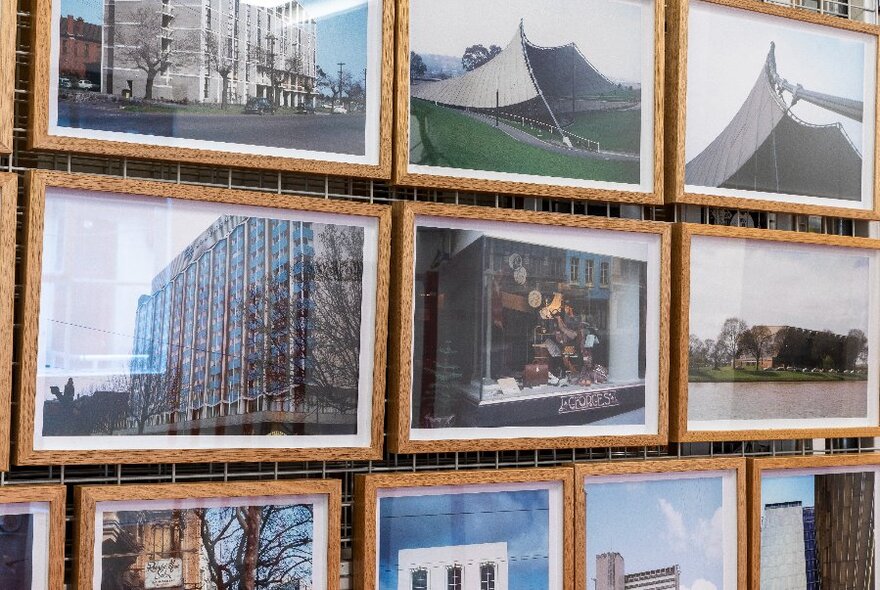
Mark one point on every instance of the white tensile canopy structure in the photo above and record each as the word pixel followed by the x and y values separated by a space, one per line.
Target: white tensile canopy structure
pixel 767 148
pixel 524 79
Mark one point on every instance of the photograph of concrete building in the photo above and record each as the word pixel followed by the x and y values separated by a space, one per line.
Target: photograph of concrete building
pixel 780 332
pixel 538 89
pixel 292 75
pixel 764 123
pixel 217 321
pixel 527 329
pixel 682 535
pixel 490 537
pixel 211 547
pixel 817 530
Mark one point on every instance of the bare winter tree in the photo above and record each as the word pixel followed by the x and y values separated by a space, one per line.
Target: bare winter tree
pixel 222 58
pixel 148 47
pixel 153 393
pixel 257 547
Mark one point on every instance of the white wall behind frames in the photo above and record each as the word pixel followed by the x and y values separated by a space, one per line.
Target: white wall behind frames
pixel 324 187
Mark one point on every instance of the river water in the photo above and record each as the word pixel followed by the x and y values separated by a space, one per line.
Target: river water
pixel 767 400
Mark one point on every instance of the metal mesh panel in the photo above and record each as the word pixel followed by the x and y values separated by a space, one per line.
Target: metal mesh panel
pixel 366 190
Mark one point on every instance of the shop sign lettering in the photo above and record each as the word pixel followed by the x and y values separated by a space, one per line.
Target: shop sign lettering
pixel 163 573
pixel 580 402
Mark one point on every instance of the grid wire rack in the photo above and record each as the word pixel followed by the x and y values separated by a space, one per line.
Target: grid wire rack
pixel 360 189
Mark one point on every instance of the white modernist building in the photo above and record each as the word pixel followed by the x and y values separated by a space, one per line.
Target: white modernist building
pixel 205 46
pixel 783 562
pixel 481 566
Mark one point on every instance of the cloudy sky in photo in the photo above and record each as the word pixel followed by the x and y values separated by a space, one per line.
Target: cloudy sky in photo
pixel 518 517
pixel 727 49
pixel 659 523
pixel 777 284
pixel 610 33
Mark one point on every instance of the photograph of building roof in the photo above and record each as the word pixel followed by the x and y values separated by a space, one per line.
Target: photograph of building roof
pixel 531 88
pixel 759 119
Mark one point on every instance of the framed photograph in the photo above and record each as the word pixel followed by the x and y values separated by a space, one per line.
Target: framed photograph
pixel 7 72
pixel 516 330
pixel 489 530
pixel 772 108
pixel 265 534
pixel 813 521
pixel 32 537
pixel 299 85
pixel 8 206
pixel 775 335
pixel 661 524
pixel 543 97
pixel 176 323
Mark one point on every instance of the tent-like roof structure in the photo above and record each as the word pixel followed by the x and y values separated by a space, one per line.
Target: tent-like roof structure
pixel 521 73
pixel 767 148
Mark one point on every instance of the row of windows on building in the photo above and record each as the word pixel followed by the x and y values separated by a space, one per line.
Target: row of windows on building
pixel 455 577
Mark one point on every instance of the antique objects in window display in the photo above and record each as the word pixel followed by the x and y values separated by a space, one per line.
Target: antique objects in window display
pixel 32 537
pixel 518 330
pixel 551 98
pixel 262 534
pixel 7 73
pixel 300 85
pixel 175 323
pixel 813 521
pixel 8 204
pixel 772 108
pixel 661 524
pixel 490 530
pixel 775 336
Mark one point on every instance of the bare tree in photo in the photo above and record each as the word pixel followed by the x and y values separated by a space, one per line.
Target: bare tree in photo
pixel 149 47
pixel 257 547
pixel 222 58
pixel 153 393
pixel 729 338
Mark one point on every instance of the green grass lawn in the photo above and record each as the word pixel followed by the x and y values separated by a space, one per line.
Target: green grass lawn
pixel 728 375
pixel 618 131
pixel 441 136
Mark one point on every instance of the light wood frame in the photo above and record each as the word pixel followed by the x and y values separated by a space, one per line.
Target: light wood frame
pixel 86 499
pixel 56 497
pixel 366 520
pixel 36 184
pixel 8 205
pixel 402 327
pixel 583 471
pixel 680 331
pixel 676 111
pixel 402 176
pixel 7 73
pixel 39 137
pixel 756 468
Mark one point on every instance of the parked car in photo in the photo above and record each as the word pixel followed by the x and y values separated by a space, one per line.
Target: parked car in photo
pixel 259 106
pixel 65 82
pixel 86 85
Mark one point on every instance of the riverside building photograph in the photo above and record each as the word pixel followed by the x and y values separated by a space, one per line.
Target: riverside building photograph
pixel 670 531
pixel 818 529
pixel 530 90
pixel 533 327
pixel 781 333
pixel 211 325
pixel 296 78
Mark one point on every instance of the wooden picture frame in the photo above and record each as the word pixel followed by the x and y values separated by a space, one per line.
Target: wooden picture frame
pixel 735 194
pixel 89 499
pixel 540 228
pixel 585 471
pixel 803 464
pixel 54 497
pixel 367 521
pixel 375 239
pixel 648 189
pixel 205 146
pixel 8 23
pixel 785 245
pixel 8 212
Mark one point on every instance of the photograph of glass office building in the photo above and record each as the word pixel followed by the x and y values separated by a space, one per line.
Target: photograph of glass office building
pixel 526 327
pixel 170 317
pixel 490 537
pixel 527 89
pixel 291 77
pixel 681 537
pixel 818 529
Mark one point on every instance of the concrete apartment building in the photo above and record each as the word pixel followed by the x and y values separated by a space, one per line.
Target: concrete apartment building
pixel 611 574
